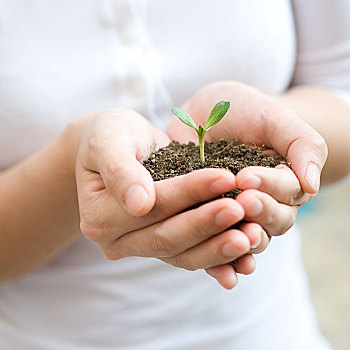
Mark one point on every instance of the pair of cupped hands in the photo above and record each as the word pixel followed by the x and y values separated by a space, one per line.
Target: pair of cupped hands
pixel 128 214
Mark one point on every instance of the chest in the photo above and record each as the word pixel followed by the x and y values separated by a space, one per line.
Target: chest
pixel 204 41
pixel 61 59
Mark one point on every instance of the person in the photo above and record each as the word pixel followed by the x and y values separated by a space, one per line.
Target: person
pixel 66 167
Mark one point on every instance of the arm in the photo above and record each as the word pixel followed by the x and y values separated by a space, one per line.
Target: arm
pixel 330 116
pixel 38 208
pixel 273 196
pixel 96 163
pixel 323 65
pixel 322 68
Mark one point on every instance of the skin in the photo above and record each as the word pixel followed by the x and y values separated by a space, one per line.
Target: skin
pixel 272 197
pixel 104 202
pixel 118 206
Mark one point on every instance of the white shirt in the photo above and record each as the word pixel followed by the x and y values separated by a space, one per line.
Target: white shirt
pixel 61 59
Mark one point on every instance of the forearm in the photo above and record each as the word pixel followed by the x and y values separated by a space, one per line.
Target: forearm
pixel 328 115
pixel 38 208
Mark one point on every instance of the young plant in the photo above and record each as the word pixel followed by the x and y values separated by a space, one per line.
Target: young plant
pixel 216 114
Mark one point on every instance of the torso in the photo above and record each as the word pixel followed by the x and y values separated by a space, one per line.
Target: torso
pixel 61 59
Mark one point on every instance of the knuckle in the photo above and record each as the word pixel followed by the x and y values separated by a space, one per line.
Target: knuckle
pixel 320 145
pixel 270 219
pixel 320 150
pixel 162 245
pixel 182 262
pixel 285 227
pixel 94 142
pixel 298 198
pixel 98 230
pixel 113 168
pixel 287 222
pixel 112 253
pixel 91 232
pixel 317 146
pixel 271 213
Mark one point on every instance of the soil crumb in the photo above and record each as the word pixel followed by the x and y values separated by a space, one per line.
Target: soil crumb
pixel 179 159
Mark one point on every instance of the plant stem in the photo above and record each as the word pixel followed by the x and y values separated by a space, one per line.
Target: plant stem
pixel 201 147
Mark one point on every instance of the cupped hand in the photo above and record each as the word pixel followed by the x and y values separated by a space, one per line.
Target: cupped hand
pixel 128 214
pixel 258 119
pixel 272 196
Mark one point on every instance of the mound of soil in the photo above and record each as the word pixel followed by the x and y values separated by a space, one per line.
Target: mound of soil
pixel 179 159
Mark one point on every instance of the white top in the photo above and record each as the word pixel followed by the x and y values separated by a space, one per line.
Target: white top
pixel 61 59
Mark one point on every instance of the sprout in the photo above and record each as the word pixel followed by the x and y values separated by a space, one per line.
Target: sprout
pixel 216 114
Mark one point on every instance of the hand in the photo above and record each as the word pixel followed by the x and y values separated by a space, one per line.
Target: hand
pixel 127 214
pixel 272 196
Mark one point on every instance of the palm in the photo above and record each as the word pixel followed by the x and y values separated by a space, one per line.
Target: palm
pixel 246 120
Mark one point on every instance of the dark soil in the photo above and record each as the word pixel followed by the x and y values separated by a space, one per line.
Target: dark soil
pixel 179 159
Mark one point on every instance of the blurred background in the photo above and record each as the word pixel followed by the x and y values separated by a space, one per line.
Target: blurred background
pixel 325 227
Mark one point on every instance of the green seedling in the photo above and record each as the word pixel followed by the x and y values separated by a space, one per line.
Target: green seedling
pixel 216 114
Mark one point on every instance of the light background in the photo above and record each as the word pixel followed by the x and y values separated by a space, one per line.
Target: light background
pixel 325 227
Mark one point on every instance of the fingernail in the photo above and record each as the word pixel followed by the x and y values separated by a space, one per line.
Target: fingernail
pixel 216 186
pixel 256 243
pixel 232 280
pixel 135 198
pixel 254 208
pixel 224 217
pixel 253 181
pixel 229 250
pixel 312 176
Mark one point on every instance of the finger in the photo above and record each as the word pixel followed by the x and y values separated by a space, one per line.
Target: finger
pixel 245 264
pixel 130 184
pixel 259 239
pixel 259 119
pixel 173 196
pixel 224 274
pixel 177 194
pixel 116 146
pixel 218 250
pixel 280 183
pixel 112 152
pixel 183 231
pixel 193 188
pixel 307 157
pixel 304 148
pixel 274 217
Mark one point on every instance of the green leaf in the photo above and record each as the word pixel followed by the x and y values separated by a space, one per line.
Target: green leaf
pixel 216 114
pixel 184 117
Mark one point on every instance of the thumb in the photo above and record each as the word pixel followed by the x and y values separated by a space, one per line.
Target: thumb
pixel 307 156
pixel 304 148
pixel 123 143
pixel 131 185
